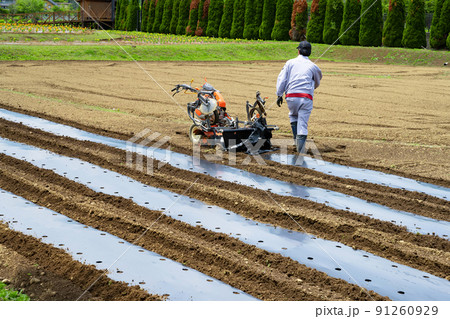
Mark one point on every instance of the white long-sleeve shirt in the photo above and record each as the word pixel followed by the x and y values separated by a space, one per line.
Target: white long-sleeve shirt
pixel 299 75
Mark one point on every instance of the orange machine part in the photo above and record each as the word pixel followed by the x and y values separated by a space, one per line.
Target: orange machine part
pixel 220 100
pixel 197 111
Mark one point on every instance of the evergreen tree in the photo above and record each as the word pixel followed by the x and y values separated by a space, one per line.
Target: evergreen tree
pixel 448 41
pixel 371 28
pixel 174 19
pixel 436 39
pixel 183 16
pixel 282 23
pixel 159 11
pixel 166 17
pixel 253 17
pixel 193 17
pixel 443 29
pixel 333 21
pixel 350 35
pixel 394 25
pixel 227 19
pixel 117 15
pixel 237 27
pixel 314 30
pixel 214 18
pixel 268 19
pixel 414 35
pixel 299 20
pixel 145 7
pixel 202 23
pixel 151 15
pixel 124 14
pixel 132 16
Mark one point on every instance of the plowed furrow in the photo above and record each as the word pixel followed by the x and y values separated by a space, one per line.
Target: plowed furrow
pixel 187 149
pixel 403 200
pixel 315 218
pixel 262 274
pixel 414 202
pixel 61 264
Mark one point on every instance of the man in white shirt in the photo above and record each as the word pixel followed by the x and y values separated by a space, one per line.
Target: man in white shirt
pixel 298 79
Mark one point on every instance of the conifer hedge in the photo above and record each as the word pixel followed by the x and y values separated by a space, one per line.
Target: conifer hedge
pixel 349 32
pixel 193 17
pixel 414 35
pixel 436 40
pixel 314 30
pixel 227 19
pixel 202 23
pixel 166 17
pixel 144 15
pixel 174 18
pixel 394 25
pixel 443 29
pixel 124 14
pixel 268 19
pixel 151 15
pixel 252 20
pixel 214 18
pixel 282 23
pixel 237 27
pixel 371 27
pixel 132 15
pixel 287 19
pixel 333 21
pixel 299 20
pixel 159 11
pixel 117 15
pixel 183 16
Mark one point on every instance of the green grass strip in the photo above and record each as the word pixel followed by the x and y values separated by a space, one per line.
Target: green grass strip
pixel 254 51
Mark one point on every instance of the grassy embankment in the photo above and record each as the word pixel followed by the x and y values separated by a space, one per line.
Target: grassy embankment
pixel 157 47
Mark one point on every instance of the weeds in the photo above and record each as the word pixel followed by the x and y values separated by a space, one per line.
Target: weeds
pixel 11 295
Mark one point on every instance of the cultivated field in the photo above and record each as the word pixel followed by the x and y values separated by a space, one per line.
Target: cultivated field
pixel 389 118
pixel 394 117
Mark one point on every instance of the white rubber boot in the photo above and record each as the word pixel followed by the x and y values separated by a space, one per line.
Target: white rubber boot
pixel 300 142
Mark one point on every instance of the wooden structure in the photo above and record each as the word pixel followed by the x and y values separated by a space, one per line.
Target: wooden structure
pixel 102 11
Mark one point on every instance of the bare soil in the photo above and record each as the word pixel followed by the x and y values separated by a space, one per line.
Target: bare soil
pixel 391 118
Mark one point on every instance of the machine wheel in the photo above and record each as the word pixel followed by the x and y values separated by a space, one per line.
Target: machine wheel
pixel 196 135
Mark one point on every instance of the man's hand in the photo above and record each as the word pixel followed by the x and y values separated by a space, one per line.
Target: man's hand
pixel 279 101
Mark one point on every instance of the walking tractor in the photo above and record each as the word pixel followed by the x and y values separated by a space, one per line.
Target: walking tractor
pixel 212 125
